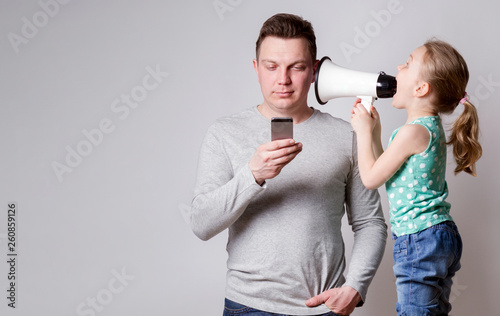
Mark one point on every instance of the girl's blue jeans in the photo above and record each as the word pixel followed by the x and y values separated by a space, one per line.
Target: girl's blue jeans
pixel 424 265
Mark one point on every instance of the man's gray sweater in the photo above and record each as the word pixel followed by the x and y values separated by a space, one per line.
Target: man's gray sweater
pixel 285 243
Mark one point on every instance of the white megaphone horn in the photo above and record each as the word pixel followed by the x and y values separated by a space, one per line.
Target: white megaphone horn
pixel 332 81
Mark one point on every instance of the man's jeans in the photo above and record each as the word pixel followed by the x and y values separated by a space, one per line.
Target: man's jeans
pixel 424 264
pixel 232 308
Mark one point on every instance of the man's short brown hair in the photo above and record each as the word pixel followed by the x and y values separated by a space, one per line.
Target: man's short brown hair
pixel 286 26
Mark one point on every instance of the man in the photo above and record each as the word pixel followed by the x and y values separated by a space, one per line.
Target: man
pixel 283 200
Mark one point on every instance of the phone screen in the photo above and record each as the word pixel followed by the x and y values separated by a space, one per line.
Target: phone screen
pixel 281 128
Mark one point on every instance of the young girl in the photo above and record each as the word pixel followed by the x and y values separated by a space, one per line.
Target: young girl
pixel 427 246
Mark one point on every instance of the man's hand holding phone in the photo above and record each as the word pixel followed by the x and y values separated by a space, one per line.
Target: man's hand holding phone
pixel 271 157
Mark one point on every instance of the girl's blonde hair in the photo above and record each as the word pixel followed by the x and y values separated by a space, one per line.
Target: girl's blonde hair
pixel 447 74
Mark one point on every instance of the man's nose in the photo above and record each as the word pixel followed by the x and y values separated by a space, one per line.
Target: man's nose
pixel 284 77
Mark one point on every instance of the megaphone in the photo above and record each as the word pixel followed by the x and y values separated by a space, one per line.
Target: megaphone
pixel 332 81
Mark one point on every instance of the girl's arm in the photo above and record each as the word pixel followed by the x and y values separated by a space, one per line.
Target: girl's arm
pixel 376 134
pixel 375 171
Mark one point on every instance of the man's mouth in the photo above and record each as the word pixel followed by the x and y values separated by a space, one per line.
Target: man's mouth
pixel 283 93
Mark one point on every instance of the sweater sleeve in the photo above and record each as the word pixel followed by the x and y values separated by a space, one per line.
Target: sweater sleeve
pixel 221 193
pixel 366 218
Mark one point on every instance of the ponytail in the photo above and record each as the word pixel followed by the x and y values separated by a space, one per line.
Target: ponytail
pixel 447 73
pixel 464 138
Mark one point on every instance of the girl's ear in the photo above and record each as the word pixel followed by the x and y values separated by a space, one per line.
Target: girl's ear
pixel 423 89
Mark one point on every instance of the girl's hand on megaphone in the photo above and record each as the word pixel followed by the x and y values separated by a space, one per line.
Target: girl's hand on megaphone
pixel 367 127
pixel 363 122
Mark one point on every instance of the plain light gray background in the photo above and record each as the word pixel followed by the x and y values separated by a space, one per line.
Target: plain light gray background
pixel 106 233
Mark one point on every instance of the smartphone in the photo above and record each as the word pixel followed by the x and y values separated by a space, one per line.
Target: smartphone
pixel 281 128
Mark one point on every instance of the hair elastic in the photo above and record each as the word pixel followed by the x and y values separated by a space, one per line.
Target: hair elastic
pixel 465 98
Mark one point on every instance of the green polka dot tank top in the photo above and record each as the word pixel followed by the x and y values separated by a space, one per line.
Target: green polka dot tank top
pixel 417 191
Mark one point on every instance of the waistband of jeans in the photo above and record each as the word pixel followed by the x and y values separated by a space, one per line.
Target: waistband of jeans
pixel 446 224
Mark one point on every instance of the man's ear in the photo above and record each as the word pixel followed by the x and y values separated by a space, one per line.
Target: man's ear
pixel 315 68
pixel 256 66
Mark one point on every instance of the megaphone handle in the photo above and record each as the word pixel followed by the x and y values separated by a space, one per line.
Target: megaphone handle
pixel 367 102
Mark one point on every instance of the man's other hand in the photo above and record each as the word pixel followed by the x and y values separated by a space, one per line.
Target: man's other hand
pixel 341 300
